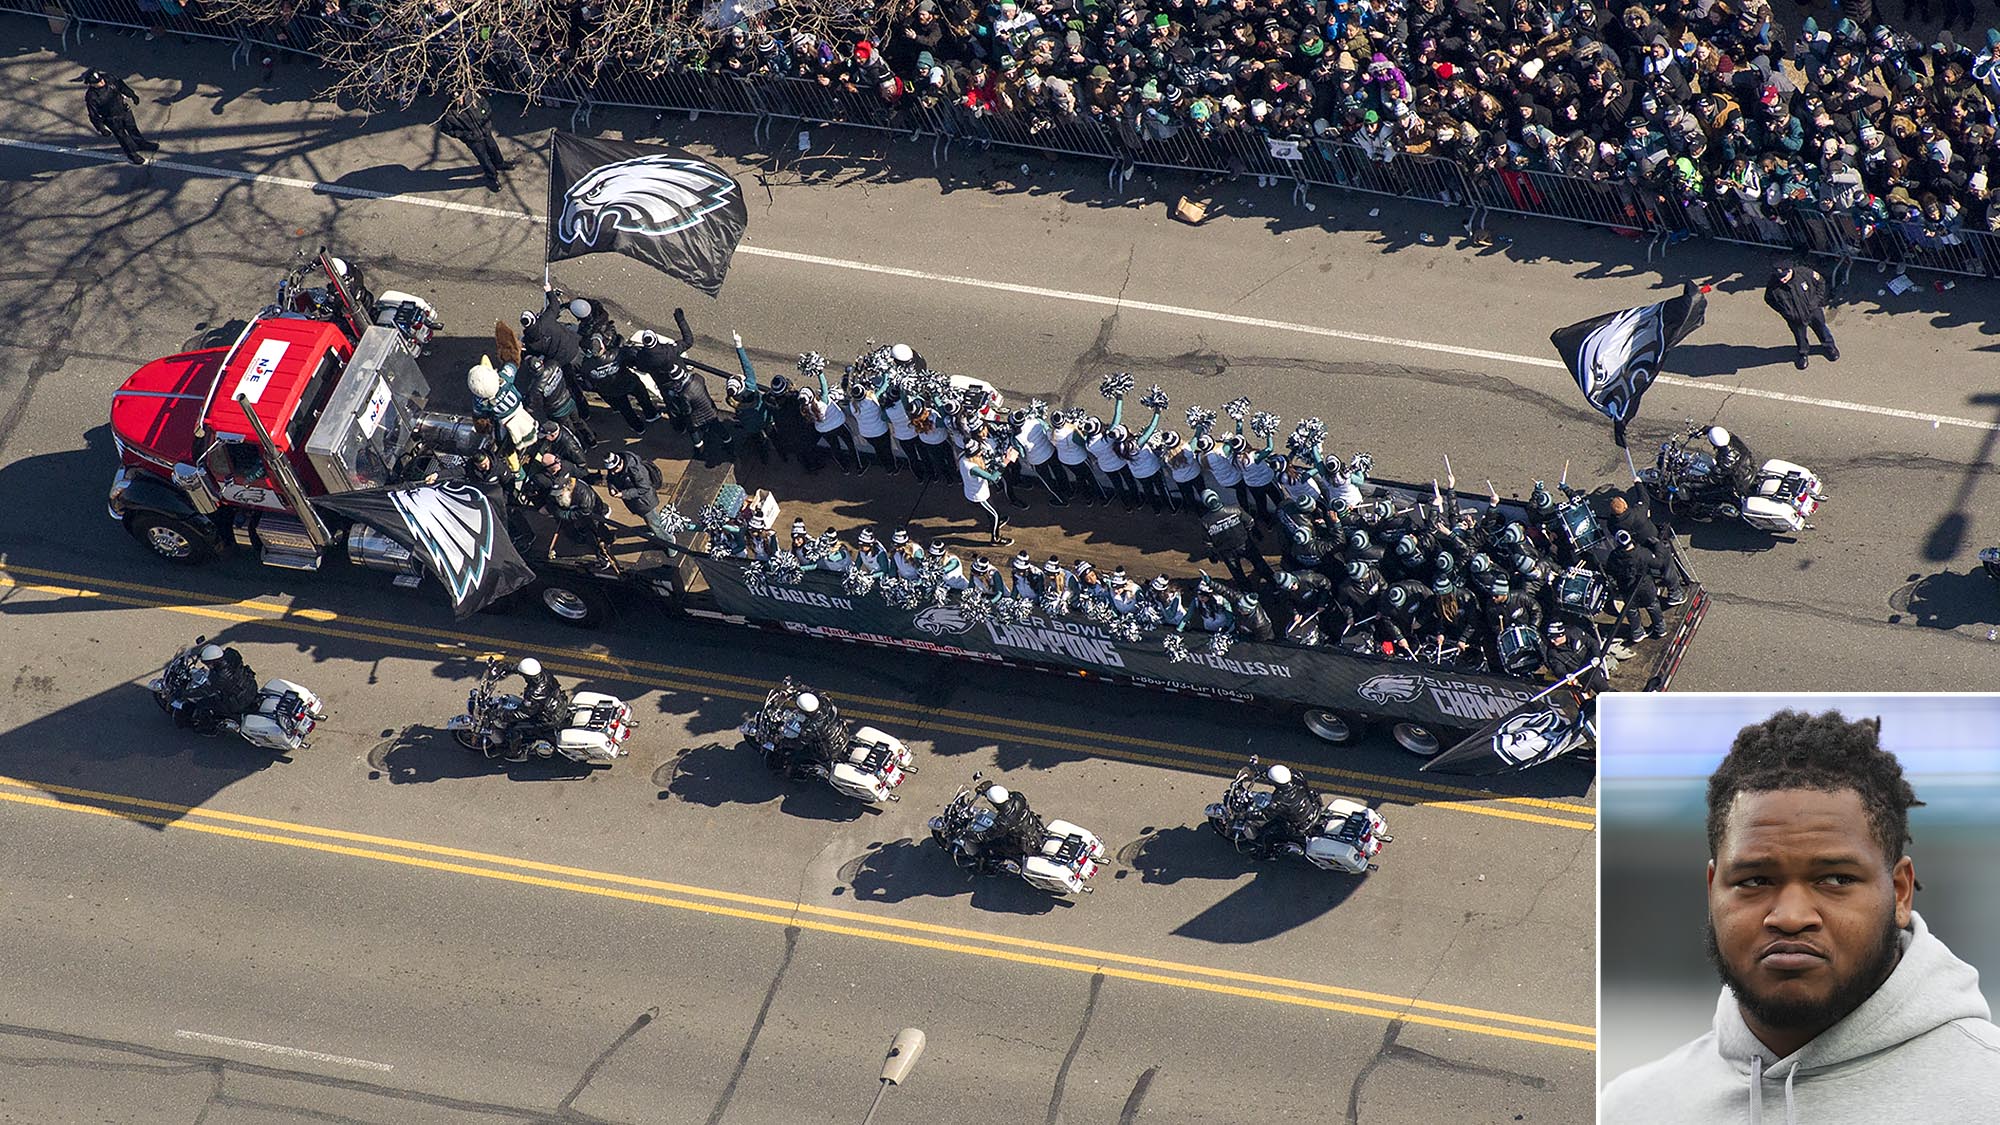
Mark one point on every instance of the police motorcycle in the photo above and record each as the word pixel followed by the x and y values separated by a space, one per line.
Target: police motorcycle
pixel 1345 837
pixel 801 734
pixel 1692 472
pixel 494 724
pixel 1001 836
pixel 281 718
pixel 323 287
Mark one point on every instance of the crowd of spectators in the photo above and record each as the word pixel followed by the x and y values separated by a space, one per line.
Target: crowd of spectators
pixel 1720 111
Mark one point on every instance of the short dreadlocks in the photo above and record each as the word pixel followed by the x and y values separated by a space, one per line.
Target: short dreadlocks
pixel 1824 752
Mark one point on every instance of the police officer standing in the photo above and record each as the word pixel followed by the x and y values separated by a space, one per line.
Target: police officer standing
pixel 470 121
pixel 109 102
pixel 1798 293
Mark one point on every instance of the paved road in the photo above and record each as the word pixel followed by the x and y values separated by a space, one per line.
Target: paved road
pixel 1444 986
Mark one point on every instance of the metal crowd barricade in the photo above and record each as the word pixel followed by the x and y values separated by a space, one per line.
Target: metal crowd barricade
pixel 1329 162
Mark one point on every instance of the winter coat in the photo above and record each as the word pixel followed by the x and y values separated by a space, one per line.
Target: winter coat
pixel 1800 300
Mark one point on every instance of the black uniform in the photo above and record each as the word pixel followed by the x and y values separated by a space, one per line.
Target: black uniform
pixel 1632 569
pixel 544 702
pixel 603 370
pixel 109 102
pixel 470 121
pixel 558 344
pixel 1577 649
pixel 692 406
pixel 1232 539
pixel 1294 812
pixel 1802 302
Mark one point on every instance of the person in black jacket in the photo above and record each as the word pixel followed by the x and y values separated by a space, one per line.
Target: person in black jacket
pixel 1232 538
pixel 109 102
pixel 1666 573
pixel 688 401
pixel 637 481
pixel 604 371
pixel 544 334
pixel 470 121
pixel 1798 293
pixel 1631 567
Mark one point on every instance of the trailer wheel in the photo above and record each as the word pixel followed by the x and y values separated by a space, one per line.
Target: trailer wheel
pixel 1336 727
pixel 1417 739
pixel 572 603
pixel 173 539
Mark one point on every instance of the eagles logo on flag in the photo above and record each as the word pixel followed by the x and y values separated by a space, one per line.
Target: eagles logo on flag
pixel 1615 357
pixel 650 196
pixel 453 528
pixel 670 209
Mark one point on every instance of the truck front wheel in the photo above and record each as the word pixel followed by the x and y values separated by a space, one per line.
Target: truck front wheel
pixel 170 537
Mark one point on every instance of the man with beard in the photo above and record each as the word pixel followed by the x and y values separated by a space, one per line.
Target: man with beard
pixel 1839 1004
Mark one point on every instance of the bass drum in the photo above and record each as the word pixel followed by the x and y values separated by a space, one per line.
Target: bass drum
pixel 1520 650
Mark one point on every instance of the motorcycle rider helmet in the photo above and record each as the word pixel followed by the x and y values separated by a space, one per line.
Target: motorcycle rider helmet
pixel 808 702
pixel 340 268
pixel 902 353
pixel 580 309
pixel 1718 437
pixel 1279 775
pixel 211 653
pixel 529 666
pixel 997 794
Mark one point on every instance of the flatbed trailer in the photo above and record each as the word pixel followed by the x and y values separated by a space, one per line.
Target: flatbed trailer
pixel 1338 690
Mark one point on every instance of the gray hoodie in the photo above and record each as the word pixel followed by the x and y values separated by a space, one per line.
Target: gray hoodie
pixel 1920 1049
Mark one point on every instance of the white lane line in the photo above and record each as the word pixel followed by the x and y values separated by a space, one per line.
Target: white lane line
pixel 275 1049
pixel 1050 294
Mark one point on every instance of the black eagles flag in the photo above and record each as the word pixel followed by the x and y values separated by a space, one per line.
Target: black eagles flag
pixel 1546 727
pixel 1615 357
pixel 670 209
pixel 454 528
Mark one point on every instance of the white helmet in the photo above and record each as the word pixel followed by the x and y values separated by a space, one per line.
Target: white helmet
pixel 579 308
pixel 211 653
pixel 483 381
pixel 997 794
pixel 1279 775
pixel 529 666
pixel 901 353
pixel 339 266
pixel 808 702
pixel 1718 437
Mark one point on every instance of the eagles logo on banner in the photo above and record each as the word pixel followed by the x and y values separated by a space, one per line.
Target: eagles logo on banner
pixel 454 528
pixel 668 208
pixel 1615 357
pixel 1550 725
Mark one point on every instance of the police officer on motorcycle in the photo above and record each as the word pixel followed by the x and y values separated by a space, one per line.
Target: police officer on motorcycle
pixel 1015 832
pixel 230 690
pixel 1733 462
pixel 544 708
pixel 820 733
pixel 1292 817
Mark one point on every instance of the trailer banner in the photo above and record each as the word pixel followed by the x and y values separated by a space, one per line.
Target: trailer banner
pixel 1336 679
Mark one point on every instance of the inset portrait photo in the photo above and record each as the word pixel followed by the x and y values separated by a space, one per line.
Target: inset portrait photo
pixel 1798 895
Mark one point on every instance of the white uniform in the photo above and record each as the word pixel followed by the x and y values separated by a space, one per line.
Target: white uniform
pixel 1222 469
pixel 1184 467
pixel 1257 471
pixel 899 422
pixel 976 487
pixel 1068 451
pixel 1104 451
pixel 868 417
pixel 1035 444
pixel 1145 462
pixel 834 418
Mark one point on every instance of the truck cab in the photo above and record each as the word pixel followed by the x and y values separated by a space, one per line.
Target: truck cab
pixel 225 447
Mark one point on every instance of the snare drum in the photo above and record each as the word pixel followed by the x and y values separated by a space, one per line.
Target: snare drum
pixel 1581 590
pixel 1580 525
pixel 1520 649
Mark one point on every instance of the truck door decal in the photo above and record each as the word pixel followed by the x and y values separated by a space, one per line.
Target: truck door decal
pixel 263 364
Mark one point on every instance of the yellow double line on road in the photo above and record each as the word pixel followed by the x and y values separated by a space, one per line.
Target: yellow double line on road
pixel 771 911
pixel 1534 810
